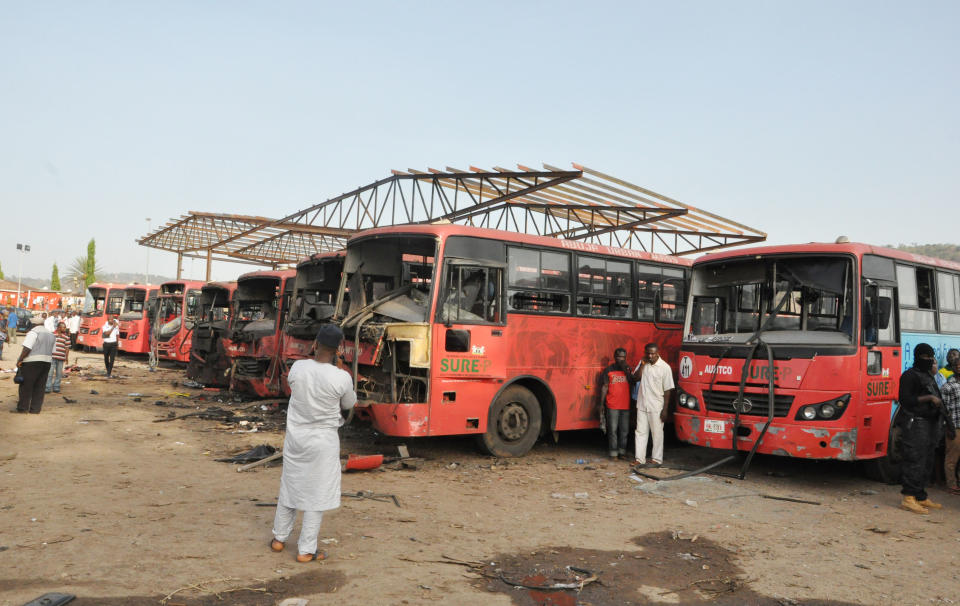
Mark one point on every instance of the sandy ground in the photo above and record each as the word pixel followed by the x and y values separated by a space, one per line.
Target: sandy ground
pixel 100 501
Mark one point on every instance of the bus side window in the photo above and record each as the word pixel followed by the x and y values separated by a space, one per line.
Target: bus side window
pixel 472 295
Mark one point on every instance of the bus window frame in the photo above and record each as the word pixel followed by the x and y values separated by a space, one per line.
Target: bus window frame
pixel 569 292
pixel 468 264
pixel 931 312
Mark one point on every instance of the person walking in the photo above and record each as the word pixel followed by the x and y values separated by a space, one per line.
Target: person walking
pixel 310 481
pixel 951 404
pixel 111 330
pixel 12 321
pixel 653 404
pixel 615 403
pixel 34 364
pixel 918 418
pixel 61 358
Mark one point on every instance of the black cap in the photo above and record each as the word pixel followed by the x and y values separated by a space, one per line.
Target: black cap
pixel 923 349
pixel 329 335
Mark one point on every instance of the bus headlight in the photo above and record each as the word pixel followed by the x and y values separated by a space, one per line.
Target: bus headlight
pixel 687 401
pixel 831 410
pixel 95 331
pixel 133 336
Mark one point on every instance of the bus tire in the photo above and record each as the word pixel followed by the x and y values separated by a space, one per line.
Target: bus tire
pixel 886 469
pixel 513 424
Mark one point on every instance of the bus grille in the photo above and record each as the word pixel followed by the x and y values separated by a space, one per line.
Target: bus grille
pixel 252 367
pixel 722 401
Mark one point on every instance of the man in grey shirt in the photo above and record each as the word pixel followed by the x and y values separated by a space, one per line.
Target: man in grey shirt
pixel 34 364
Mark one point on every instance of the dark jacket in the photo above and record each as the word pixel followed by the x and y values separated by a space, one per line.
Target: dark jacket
pixel 913 384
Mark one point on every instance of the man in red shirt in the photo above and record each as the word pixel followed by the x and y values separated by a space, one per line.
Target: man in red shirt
pixel 615 403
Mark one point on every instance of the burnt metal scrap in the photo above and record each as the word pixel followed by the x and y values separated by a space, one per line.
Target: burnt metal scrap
pixel 575 204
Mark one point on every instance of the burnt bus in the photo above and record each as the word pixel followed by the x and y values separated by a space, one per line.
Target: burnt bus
pixel 209 364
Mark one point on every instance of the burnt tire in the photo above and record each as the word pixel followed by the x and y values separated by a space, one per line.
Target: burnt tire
pixel 886 469
pixel 513 424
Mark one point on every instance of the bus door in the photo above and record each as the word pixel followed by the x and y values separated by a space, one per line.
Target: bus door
pixel 471 339
pixel 882 364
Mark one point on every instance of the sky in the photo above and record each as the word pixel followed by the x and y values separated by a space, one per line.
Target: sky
pixel 806 120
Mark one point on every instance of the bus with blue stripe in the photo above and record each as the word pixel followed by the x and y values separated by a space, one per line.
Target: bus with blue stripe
pixel 797 350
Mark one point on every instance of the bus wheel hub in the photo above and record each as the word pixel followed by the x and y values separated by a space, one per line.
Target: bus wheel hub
pixel 514 421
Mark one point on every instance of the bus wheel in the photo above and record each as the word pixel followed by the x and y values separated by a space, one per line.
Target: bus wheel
pixel 886 469
pixel 513 425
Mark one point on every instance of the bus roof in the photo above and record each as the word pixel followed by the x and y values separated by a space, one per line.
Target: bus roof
pixel 269 273
pixel 854 248
pixel 228 286
pixel 321 256
pixel 449 229
pixel 108 286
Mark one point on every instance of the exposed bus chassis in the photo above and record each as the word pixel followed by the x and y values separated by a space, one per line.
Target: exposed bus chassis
pixel 394 363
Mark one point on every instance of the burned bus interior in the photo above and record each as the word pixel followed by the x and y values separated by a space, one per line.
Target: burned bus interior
pixel 314 296
pixel 389 280
pixel 94 302
pixel 256 306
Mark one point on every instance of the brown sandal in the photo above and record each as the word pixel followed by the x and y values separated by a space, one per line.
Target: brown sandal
pixel 276 545
pixel 310 557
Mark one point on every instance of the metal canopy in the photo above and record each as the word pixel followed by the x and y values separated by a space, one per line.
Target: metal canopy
pixel 580 204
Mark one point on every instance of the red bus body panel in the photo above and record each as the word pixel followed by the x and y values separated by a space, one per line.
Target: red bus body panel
pixel 91 326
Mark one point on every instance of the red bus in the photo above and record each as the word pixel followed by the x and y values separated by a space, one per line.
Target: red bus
pixel 256 331
pixel 313 295
pixel 177 305
pixel 209 364
pixel 102 300
pixel 138 302
pixel 838 320
pixel 460 330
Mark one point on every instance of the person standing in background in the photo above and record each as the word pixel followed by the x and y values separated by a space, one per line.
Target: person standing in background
pixel 12 321
pixel 34 364
pixel 61 357
pixel 111 330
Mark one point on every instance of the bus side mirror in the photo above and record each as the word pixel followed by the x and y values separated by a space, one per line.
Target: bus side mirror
pixel 884 309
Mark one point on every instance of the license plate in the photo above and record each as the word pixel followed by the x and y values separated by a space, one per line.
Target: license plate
pixel 713 426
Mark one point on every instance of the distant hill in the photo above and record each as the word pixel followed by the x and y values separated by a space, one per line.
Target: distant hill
pixel 116 277
pixel 949 252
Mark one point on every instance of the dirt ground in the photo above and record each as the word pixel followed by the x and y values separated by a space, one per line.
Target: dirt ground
pixel 100 501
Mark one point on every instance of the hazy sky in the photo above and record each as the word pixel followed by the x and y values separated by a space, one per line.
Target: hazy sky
pixel 806 120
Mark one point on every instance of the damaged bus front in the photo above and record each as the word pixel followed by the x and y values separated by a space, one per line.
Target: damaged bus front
pixel 384 309
pixel 102 300
pixel 209 364
pixel 256 331
pixel 177 306
pixel 782 325
pixel 313 296
pixel 139 304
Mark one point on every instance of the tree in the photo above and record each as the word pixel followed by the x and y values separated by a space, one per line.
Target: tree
pixel 91 273
pixel 1 273
pixel 55 279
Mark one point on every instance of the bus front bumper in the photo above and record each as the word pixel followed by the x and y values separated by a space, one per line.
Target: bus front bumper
pixel 806 442
pixel 396 419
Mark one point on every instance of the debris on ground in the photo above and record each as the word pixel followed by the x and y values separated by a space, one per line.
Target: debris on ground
pixel 254 454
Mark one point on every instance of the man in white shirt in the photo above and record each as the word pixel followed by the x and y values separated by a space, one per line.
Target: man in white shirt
pixel 111 330
pixel 73 326
pixel 34 364
pixel 655 391
pixel 310 481
pixel 51 321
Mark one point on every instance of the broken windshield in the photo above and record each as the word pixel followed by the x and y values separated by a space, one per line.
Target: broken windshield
pixel 792 299
pixel 257 305
pixel 390 276
pixel 315 290
pixel 214 304
pixel 168 316
pixel 133 303
pixel 94 301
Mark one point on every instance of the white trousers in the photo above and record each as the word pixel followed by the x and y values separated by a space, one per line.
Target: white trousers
pixel 649 423
pixel 309 529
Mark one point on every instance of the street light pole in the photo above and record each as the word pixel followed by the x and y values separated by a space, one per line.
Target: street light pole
pixel 23 248
pixel 147 276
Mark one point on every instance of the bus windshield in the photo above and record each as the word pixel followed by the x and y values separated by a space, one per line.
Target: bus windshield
pixel 390 277
pixel 169 316
pixel 133 302
pixel 214 305
pixel 256 305
pixel 94 301
pixel 802 300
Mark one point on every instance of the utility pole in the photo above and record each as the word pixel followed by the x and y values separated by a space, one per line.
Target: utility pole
pixel 23 248
pixel 147 276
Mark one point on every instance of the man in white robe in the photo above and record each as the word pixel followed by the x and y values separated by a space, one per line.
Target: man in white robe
pixel 310 481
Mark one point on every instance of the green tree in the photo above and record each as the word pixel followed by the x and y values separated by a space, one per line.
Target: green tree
pixel 1 273
pixel 91 273
pixel 55 278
